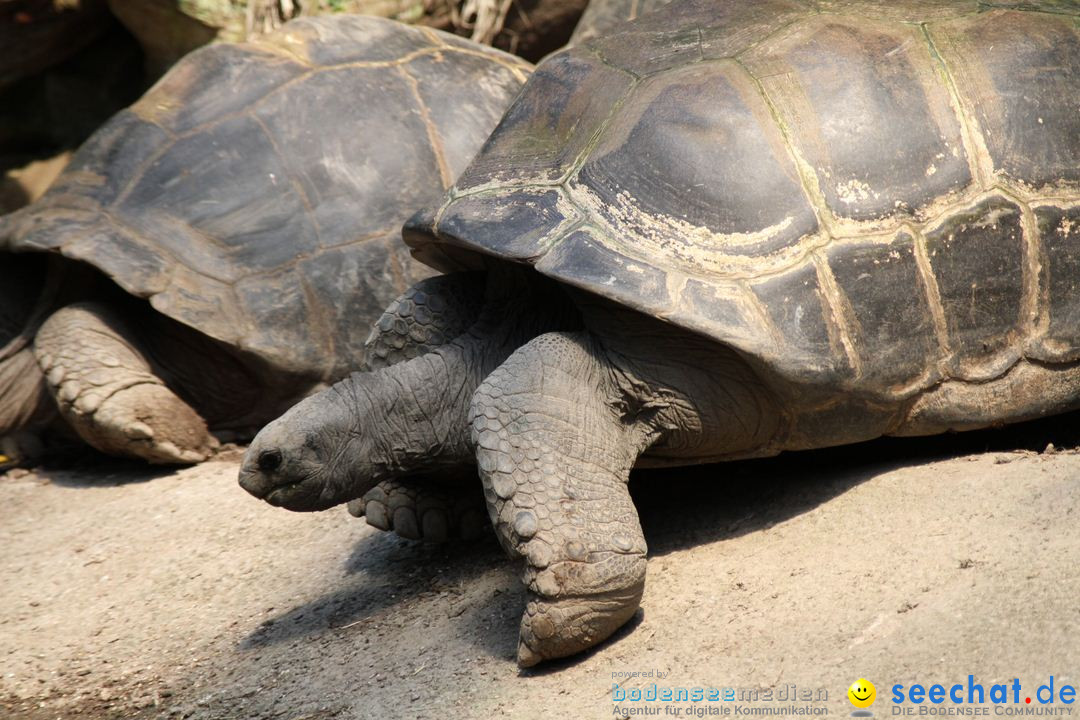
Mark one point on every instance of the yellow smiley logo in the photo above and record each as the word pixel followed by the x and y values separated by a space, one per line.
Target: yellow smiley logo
pixel 862 693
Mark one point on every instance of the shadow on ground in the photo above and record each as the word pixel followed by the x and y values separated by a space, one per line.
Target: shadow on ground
pixel 386 571
pixel 689 506
pixel 88 470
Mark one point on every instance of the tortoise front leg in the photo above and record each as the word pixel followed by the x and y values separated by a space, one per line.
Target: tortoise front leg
pixel 555 452
pixel 107 391
pixel 428 315
pixel 557 428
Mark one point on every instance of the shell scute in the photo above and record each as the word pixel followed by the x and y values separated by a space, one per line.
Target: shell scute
pixel 797 308
pixel 588 260
pixel 519 227
pixel 694 161
pixel 867 111
pixel 1059 229
pixel 1017 74
pixel 541 136
pixel 977 257
pixel 889 315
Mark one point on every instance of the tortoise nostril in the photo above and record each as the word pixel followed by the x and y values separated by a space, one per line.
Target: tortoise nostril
pixel 269 460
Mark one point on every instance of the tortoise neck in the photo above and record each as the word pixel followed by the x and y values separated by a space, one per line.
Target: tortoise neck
pixel 431 395
pixel 418 409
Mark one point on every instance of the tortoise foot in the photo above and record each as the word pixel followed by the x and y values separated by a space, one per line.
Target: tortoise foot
pixel 559 627
pixel 420 509
pixel 106 389
pixel 150 422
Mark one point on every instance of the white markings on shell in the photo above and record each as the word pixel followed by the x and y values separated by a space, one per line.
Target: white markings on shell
pixel 854 191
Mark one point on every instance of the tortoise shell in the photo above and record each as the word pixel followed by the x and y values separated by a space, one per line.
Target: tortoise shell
pixel 256 193
pixel 850 193
pixel 601 17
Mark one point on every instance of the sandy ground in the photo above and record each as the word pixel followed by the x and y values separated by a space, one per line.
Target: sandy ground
pixel 127 592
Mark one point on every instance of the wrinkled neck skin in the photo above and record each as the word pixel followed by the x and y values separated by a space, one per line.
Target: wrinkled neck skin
pixel 413 413
pixel 409 418
pixel 417 411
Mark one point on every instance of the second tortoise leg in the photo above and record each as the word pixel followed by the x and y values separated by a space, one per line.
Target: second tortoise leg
pixel 426 509
pixel 429 314
pixel 108 392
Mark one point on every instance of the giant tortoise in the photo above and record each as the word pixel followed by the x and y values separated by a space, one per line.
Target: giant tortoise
pixel 254 197
pixel 732 230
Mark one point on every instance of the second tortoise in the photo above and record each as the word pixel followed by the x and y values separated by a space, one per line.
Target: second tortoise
pixel 220 249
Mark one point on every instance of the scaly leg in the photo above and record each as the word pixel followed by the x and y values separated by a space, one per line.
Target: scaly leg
pixel 426 509
pixel 107 391
pixel 25 409
pixel 555 452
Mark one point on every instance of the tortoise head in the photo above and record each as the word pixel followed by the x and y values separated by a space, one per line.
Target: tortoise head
pixel 320 453
pixel 335 446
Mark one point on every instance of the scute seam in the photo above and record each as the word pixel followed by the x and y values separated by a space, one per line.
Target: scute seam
pixel 933 295
pixel 434 138
pixel 839 316
pixel 808 179
pixel 980 161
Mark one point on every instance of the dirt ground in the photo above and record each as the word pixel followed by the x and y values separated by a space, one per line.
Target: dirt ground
pixel 127 592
